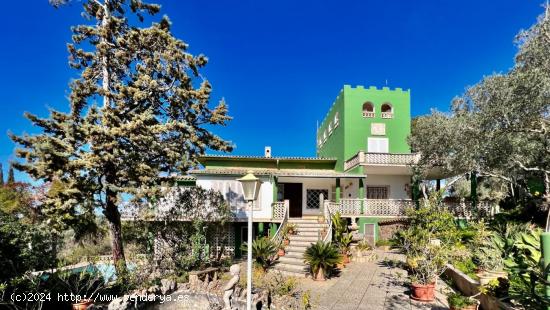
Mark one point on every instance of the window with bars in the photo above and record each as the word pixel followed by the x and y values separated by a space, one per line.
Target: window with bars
pixel 313 197
pixel 378 192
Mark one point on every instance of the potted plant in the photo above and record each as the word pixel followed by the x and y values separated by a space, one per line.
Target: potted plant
pixel 459 302
pixel 362 248
pixel 87 282
pixel 427 260
pixel 291 228
pixel 344 244
pixel 321 258
pixel 384 245
pixel 488 255
pixel 281 251
pixel 321 219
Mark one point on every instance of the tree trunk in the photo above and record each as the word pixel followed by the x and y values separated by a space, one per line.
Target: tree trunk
pixel 113 217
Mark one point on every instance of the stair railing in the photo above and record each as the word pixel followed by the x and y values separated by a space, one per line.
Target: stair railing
pixel 278 237
pixel 328 220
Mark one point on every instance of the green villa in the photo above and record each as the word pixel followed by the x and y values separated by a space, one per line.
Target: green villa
pixel 362 170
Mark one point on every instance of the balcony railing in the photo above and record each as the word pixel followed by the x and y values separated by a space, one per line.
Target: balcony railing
pixel 368 114
pixel 397 207
pixel 387 114
pixel 389 159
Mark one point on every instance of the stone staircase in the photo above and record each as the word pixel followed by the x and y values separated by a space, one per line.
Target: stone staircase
pixel 308 231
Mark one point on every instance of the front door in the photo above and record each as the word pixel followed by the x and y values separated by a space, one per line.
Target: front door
pixel 293 193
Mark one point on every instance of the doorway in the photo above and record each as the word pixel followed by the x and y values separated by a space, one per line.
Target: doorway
pixel 293 193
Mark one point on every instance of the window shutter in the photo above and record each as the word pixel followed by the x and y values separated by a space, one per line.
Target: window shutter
pixel 378 145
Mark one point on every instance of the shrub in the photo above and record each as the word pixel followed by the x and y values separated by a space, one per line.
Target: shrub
pixel 458 301
pixel 322 255
pixel 263 251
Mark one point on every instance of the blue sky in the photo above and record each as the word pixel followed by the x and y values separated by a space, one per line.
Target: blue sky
pixel 280 64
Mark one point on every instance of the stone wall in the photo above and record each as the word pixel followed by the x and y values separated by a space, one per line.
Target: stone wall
pixel 387 229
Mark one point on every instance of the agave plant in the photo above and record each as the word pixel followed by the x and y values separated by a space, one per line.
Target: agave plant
pixel 263 251
pixel 321 258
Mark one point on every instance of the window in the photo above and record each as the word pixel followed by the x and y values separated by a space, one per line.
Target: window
pixel 368 109
pixel 387 110
pixel 313 197
pixel 378 145
pixel 329 128
pixel 336 120
pixel 377 192
pixel 370 233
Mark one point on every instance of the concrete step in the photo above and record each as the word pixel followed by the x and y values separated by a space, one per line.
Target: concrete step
pixel 300 243
pixel 295 255
pixel 308 229
pixel 312 238
pixel 295 249
pixel 313 233
pixel 290 273
pixel 303 221
pixel 291 260
pixel 291 268
pixel 312 224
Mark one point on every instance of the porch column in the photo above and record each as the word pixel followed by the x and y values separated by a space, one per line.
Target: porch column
pixel 415 191
pixel 272 229
pixel 260 229
pixel 362 195
pixel 437 184
pixel 337 199
pixel 275 192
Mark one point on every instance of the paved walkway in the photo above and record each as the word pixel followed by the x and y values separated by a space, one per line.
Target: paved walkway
pixel 374 286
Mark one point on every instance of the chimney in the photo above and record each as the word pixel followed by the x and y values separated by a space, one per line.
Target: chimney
pixel 267 151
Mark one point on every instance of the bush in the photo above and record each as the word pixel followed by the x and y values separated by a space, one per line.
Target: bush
pixel 322 255
pixel 458 301
pixel 263 251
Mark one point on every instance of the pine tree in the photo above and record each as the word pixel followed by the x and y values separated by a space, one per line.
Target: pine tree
pixel 11 176
pixel 151 120
pixel 1 175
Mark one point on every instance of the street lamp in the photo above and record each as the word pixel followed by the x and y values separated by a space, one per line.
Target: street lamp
pixel 251 187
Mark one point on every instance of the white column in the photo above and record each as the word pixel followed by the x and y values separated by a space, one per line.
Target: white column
pixel 249 260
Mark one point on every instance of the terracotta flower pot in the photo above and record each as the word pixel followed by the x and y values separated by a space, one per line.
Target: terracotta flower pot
pixel 340 265
pixel 281 252
pixel 320 275
pixel 470 307
pixel 286 242
pixel 83 305
pixel 346 259
pixel 423 292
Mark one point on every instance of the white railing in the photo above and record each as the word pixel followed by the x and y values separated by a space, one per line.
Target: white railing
pixel 327 205
pixel 387 114
pixel 368 114
pixel 387 207
pixel 278 237
pixel 396 207
pixel 279 209
pixel 463 209
pixel 364 158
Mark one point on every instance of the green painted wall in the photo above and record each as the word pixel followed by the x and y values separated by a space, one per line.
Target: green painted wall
pixel 369 220
pixel 352 134
pixel 334 145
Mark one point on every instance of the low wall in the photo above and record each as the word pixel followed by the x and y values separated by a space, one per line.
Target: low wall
pixel 469 287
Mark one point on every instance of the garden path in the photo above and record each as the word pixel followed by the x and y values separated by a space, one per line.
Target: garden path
pixel 374 285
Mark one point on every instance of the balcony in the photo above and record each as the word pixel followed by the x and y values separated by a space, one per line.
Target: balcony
pixel 381 159
pixel 368 114
pixel 387 114
pixel 398 207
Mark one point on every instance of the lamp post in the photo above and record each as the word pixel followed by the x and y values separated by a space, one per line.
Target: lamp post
pixel 251 187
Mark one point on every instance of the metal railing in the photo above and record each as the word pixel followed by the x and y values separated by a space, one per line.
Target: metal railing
pixel 328 220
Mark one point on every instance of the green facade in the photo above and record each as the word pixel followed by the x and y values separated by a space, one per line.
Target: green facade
pixel 353 130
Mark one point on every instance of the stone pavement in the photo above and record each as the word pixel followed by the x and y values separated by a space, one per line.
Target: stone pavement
pixel 375 285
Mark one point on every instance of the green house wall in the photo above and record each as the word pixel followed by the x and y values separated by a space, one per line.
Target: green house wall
pixel 352 134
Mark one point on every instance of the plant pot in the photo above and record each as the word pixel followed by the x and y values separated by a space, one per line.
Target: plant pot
pixel 485 278
pixel 286 242
pixel 346 259
pixel 281 252
pixel 83 305
pixel 423 292
pixel 291 232
pixel 470 307
pixel 320 275
pixel 321 220
pixel 498 274
pixel 340 265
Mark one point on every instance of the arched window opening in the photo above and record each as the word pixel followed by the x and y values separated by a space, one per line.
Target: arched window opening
pixel 387 110
pixel 368 109
pixel 336 120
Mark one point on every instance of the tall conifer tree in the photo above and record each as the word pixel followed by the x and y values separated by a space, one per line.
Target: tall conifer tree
pixel 137 111
pixel 1 175
pixel 11 175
